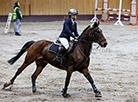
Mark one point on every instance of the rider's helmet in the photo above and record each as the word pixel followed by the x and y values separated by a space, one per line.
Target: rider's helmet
pixel 72 12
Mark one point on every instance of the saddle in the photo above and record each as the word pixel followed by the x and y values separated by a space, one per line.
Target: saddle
pixel 55 47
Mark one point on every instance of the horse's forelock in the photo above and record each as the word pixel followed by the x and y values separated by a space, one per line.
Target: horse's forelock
pixel 92 25
pixel 95 24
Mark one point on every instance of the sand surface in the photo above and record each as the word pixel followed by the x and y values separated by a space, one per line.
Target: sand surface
pixel 114 68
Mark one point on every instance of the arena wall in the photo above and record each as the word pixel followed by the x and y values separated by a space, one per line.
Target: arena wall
pixel 57 7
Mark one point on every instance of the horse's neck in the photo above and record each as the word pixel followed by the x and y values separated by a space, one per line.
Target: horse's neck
pixel 85 46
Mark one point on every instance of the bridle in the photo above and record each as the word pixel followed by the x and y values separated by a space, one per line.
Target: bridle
pixel 90 42
pixel 94 36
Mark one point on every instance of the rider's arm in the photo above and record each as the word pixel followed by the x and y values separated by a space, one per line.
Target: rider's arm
pixel 67 30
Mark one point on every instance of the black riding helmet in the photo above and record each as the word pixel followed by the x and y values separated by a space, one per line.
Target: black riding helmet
pixel 72 12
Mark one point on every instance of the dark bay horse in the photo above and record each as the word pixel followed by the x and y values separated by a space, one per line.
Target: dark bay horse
pixel 77 60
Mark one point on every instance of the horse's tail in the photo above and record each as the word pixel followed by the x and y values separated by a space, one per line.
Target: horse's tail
pixel 19 54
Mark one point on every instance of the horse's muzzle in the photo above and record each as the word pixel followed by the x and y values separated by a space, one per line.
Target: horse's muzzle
pixel 105 44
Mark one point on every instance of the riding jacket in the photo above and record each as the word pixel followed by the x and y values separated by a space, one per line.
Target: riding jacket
pixel 69 28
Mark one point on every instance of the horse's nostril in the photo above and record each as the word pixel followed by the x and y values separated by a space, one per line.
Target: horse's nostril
pixel 105 44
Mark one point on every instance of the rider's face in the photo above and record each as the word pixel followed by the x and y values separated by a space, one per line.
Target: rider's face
pixel 18 4
pixel 74 17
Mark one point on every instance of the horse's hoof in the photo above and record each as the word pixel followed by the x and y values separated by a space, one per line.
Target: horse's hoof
pixel 6 85
pixel 34 89
pixel 66 95
pixel 98 94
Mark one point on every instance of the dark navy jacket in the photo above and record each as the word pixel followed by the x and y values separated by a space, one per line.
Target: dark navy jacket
pixel 68 29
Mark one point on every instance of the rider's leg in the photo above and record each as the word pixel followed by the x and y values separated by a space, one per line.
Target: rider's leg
pixel 63 49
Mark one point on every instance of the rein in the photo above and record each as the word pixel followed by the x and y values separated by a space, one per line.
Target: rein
pixel 82 53
pixel 90 42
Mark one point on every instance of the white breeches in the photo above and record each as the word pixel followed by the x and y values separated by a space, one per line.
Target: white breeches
pixel 64 42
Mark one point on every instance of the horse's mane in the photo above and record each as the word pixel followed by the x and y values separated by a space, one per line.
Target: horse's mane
pixel 84 30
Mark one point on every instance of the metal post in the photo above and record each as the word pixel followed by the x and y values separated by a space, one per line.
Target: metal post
pixel 95 19
pixel 119 21
pixel 133 12
pixel 105 6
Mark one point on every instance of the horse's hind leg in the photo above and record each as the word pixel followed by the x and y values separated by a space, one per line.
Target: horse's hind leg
pixel 24 65
pixel 40 65
pixel 27 62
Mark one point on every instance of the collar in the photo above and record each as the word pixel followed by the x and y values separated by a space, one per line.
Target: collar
pixel 72 21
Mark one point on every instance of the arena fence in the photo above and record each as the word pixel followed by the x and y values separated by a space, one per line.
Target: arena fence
pixel 107 15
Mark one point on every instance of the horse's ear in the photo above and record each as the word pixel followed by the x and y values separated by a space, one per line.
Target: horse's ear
pixel 96 24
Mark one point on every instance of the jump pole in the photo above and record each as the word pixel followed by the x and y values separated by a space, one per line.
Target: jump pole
pixel 7 27
pixel 95 19
pixel 118 22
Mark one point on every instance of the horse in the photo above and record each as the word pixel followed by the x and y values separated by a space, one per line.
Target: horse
pixel 76 60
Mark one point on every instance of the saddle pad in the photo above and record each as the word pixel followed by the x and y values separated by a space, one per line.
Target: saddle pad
pixel 53 48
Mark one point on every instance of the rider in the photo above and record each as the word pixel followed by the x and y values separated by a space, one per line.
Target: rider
pixel 69 27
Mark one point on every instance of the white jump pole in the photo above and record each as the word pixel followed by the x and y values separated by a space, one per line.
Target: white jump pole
pixel 95 19
pixel 119 21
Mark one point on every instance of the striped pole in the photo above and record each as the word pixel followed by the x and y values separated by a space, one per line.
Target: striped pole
pixel 113 9
pixel 126 19
pixel 118 14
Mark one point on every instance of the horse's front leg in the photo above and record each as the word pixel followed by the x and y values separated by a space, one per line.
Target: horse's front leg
pixel 64 91
pixel 88 76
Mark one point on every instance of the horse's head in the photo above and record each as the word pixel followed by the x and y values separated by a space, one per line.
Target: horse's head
pixel 94 33
pixel 97 35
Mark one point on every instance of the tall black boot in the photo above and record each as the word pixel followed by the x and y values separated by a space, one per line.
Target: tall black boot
pixel 60 53
pixel 16 33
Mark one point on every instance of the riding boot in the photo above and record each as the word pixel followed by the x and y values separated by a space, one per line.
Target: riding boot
pixel 16 33
pixel 60 54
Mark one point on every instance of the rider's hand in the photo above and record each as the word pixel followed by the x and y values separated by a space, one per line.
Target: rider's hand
pixel 76 38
